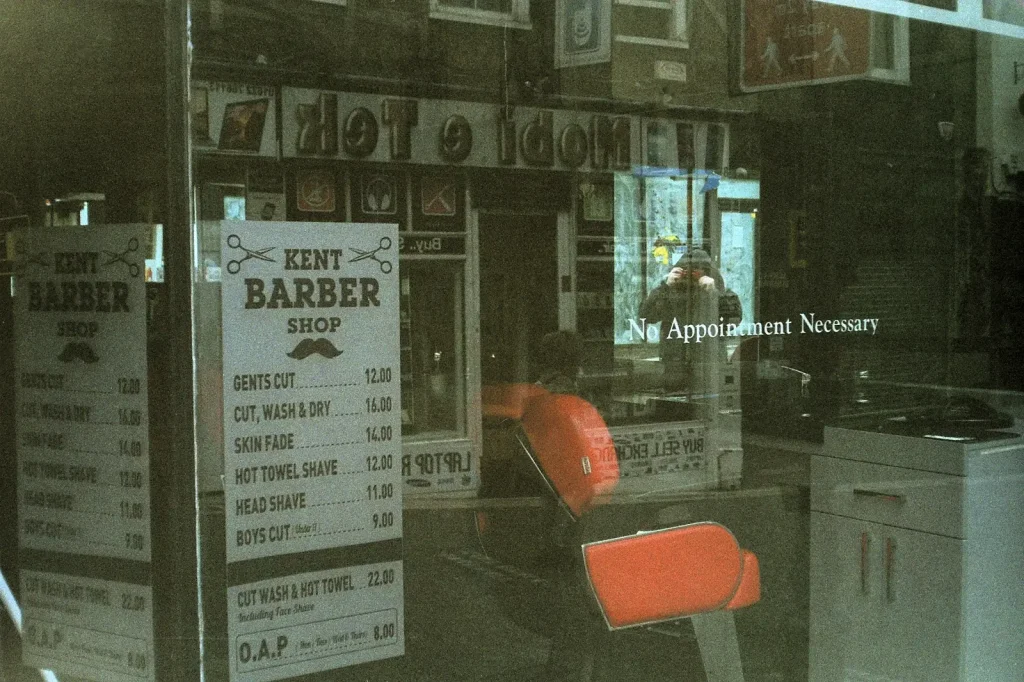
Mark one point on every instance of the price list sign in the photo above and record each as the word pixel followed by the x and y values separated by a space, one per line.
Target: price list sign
pixel 315 621
pixel 95 629
pixel 312 412
pixel 81 410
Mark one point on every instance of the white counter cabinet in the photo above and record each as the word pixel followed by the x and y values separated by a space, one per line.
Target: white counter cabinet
pixel 917 559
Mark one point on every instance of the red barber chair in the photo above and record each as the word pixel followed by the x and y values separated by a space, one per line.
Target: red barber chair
pixel 696 571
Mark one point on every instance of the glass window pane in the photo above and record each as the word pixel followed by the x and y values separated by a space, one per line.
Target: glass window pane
pixel 523 312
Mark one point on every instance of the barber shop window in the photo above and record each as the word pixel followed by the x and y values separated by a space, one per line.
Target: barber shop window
pixel 508 341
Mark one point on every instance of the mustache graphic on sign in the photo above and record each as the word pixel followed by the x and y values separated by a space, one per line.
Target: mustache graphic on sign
pixel 78 351
pixel 307 347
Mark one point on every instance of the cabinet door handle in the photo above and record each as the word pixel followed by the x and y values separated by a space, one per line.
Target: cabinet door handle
pixel 879 495
pixel 865 540
pixel 890 569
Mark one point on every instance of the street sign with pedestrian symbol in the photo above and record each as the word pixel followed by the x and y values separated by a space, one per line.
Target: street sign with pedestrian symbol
pixel 800 42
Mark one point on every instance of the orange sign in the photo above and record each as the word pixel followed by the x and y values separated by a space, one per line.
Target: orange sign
pixel 315 191
pixel 800 42
pixel 438 196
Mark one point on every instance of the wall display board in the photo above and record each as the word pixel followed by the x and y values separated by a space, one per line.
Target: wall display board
pixel 312 402
pixel 95 629
pixel 81 418
pixel 316 621
pixel 80 354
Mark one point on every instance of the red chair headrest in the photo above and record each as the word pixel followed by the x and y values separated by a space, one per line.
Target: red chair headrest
pixel 572 447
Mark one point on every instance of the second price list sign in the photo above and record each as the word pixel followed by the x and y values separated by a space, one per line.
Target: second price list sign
pixel 82 414
pixel 312 409
pixel 82 406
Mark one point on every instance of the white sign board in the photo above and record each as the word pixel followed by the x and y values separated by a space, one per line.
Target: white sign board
pixel 440 467
pixel 673 455
pixel 94 629
pixel 316 621
pixel 312 400
pixel 82 406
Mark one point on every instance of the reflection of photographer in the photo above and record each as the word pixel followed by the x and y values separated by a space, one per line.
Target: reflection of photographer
pixel 693 292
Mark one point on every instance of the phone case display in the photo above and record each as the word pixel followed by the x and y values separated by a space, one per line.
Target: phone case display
pixel 594 299
pixel 429 348
pixel 405 341
pixel 595 247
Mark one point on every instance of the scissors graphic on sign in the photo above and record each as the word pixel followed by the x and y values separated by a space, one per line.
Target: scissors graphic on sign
pixel 385 265
pixel 133 246
pixel 235 242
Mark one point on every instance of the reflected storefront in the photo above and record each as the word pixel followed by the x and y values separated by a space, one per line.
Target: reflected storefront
pixel 512 340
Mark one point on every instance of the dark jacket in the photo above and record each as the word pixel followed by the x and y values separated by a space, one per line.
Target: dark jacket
pixel 683 302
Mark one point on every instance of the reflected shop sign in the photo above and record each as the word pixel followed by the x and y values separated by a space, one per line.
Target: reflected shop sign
pixel 318 124
pixel 429 468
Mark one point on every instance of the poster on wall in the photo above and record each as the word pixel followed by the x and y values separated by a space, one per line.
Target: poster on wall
pixel 233 118
pixel 316 621
pixel 94 629
pixel 583 32
pixel 312 399
pixel 315 191
pixel 81 392
pixel 264 196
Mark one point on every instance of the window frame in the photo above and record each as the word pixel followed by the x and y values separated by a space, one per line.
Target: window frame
pixel 899 71
pixel 519 17
pixel 678 24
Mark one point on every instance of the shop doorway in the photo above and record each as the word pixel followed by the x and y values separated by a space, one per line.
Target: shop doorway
pixel 518 293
